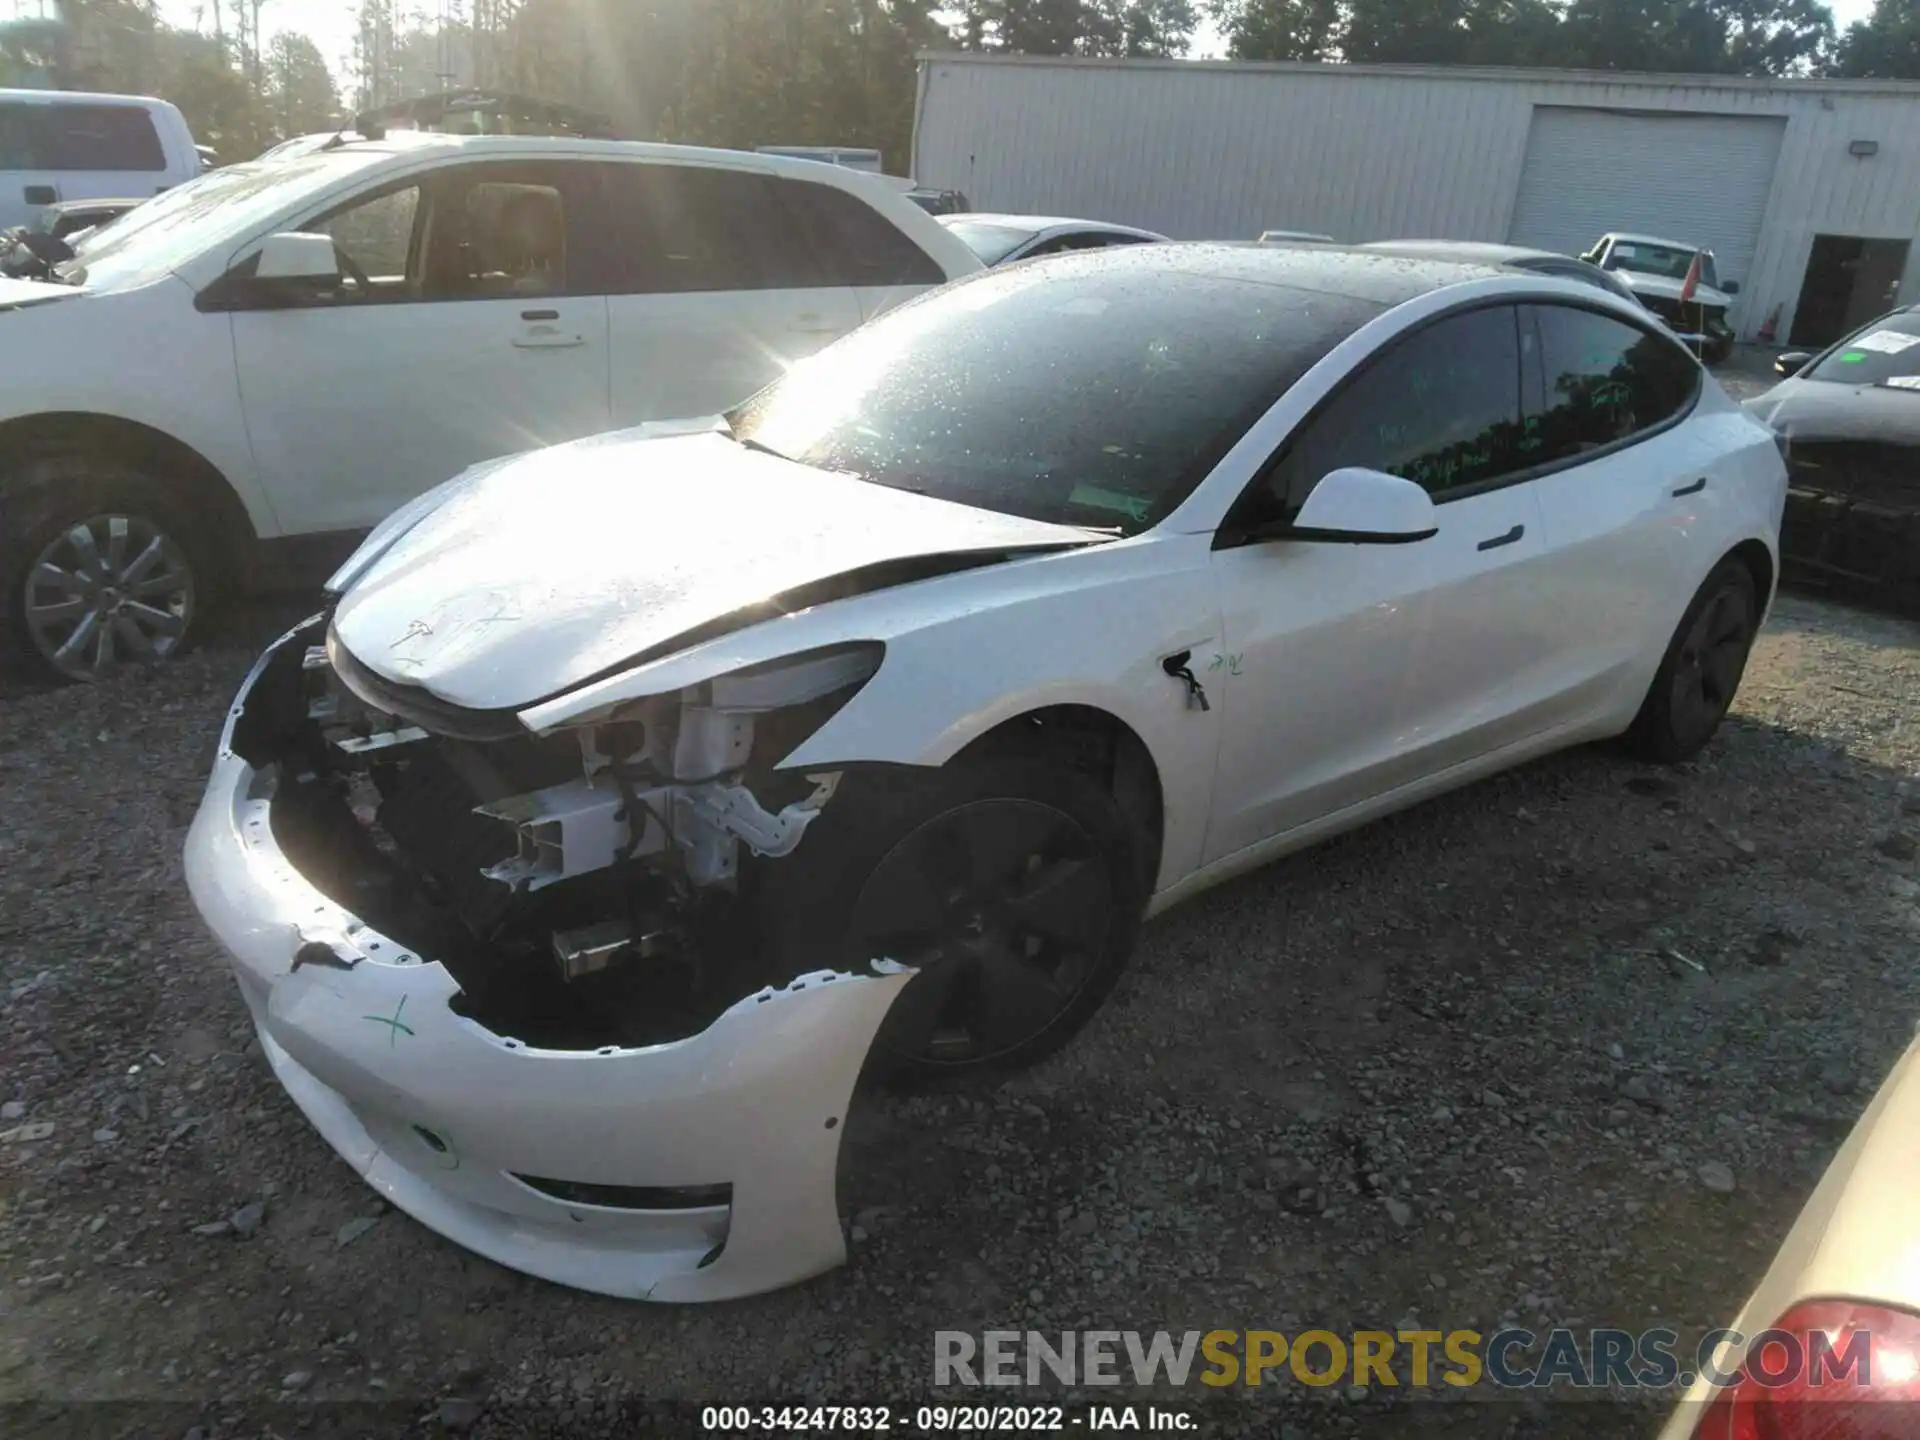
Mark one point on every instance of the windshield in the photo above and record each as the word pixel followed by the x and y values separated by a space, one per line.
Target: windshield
pixel 1887 352
pixel 174 227
pixel 1668 261
pixel 1077 390
pixel 992 243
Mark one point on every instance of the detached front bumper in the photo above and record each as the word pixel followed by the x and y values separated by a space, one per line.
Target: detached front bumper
pixel 450 1121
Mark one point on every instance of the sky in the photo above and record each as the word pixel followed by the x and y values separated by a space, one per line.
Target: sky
pixel 330 24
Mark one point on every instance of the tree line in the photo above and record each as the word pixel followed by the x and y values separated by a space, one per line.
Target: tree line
pixel 746 72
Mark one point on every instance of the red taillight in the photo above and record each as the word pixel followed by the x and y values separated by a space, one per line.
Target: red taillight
pixel 1827 1370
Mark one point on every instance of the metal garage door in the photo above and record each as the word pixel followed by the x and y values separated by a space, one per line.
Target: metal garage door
pixel 1702 179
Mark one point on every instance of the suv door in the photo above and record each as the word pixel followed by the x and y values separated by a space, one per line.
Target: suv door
pixel 1365 668
pixel 1626 493
pixel 716 290
pixel 470 324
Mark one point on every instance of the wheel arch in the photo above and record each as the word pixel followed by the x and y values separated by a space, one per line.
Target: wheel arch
pixel 1760 564
pixel 189 475
pixel 1099 744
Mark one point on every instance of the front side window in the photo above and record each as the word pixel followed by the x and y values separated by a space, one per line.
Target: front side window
pixel 377 235
pixel 1070 393
pixel 1440 408
pixel 1604 381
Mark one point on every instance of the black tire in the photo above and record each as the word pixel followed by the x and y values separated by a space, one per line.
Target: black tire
pixel 1717 352
pixel 882 871
pixel 42 502
pixel 1700 673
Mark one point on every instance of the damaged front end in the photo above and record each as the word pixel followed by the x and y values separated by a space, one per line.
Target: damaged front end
pixel 584 888
pixel 521 981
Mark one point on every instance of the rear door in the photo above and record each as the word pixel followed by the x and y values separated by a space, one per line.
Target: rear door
pixel 476 328
pixel 716 289
pixel 1626 496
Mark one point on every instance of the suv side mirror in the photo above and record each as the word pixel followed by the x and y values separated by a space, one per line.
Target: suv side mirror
pixel 1356 506
pixel 292 270
pixel 1730 287
pixel 1790 362
pixel 291 255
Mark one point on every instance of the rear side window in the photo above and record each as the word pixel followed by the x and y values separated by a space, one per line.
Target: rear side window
pixel 79 137
pixel 856 244
pixel 1440 408
pixel 676 229
pixel 1604 381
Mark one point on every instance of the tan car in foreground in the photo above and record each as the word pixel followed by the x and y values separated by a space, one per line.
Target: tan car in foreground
pixel 1828 1347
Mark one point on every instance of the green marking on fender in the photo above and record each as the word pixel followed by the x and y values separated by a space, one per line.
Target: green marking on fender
pixel 393 1023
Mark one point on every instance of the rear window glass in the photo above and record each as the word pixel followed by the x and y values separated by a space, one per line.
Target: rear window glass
pixel 679 229
pixel 78 138
pixel 1887 352
pixel 1082 392
pixel 992 243
pixel 854 243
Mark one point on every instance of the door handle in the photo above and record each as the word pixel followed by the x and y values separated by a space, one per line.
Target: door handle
pixel 539 314
pixel 548 342
pixel 1507 539
pixel 811 324
pixel 1694 489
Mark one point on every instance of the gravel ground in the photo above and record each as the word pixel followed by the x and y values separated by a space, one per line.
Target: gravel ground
pixel 1465 1066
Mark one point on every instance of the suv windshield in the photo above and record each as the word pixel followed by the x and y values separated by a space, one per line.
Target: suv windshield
pixel 172 228
pixel 1887 352
pixel 1073 390
pixel 1669 261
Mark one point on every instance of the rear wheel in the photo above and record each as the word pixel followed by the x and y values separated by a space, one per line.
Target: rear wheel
pixel 1701 671
pixel 1010 886
pixel 102 568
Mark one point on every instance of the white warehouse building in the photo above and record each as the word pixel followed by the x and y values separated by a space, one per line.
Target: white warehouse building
pixel 1807 191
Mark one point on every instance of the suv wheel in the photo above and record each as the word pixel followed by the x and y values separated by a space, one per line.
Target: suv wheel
pixel 102 569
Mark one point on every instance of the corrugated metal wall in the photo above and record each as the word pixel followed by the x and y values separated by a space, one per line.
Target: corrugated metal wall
pixel 1204 151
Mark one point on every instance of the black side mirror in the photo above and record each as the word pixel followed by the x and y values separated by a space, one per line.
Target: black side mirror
pixel 1730 287
pixel 1790 362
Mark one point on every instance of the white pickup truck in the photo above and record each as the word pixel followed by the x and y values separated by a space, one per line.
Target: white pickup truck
pixel 1656 271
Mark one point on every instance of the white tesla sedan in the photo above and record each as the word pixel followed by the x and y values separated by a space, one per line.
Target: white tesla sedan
pixel 633 795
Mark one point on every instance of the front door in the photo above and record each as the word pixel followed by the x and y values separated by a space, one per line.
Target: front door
pixel 1349 671
pixel 463 329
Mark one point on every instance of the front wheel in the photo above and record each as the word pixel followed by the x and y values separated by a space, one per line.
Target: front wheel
pixel 1701 670
pixel 1010 886
pixel 101 567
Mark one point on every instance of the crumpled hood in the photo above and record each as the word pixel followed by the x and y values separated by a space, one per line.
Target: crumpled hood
pixel 529 577
pixel 1644 284
pixel 16 293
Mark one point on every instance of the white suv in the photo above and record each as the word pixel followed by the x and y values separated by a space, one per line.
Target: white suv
pixel 286 352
